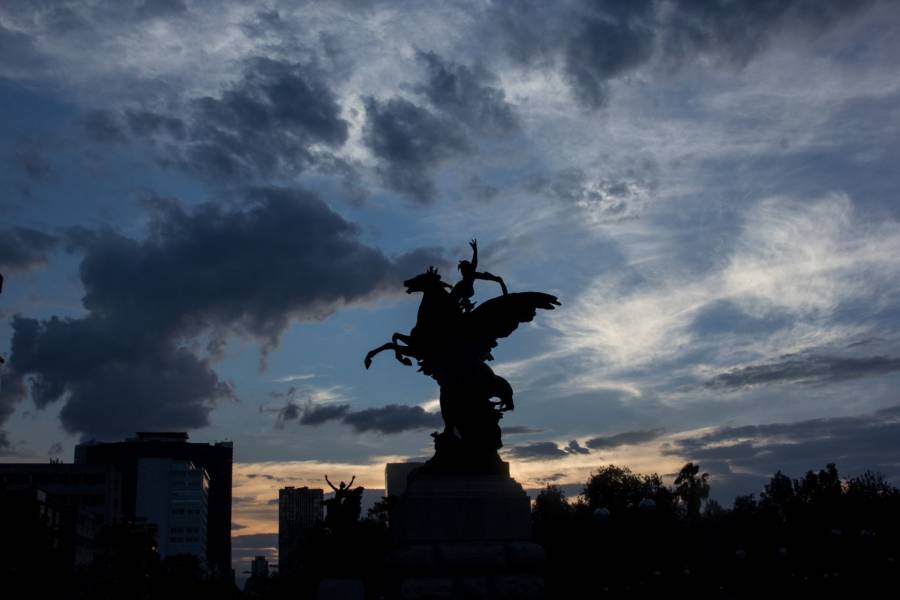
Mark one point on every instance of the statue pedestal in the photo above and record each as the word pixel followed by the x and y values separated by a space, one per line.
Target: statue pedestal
pixel 460 536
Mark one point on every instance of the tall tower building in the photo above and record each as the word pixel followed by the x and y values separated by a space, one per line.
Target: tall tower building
pixel 215 459
pixel 173 495
pixel 298 509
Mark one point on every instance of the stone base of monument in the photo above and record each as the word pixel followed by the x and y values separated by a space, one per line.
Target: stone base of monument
pixel 464 536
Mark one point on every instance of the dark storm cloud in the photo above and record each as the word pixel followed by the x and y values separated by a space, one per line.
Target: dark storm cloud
pixel 536 451
pixel 575 448
pixel 627 438
pixel 607 45
pixel 856 443
pixel 598 42
pixel 281 254
pixel 23 248
pixel 805 368
pixel 112 381
pixel 322 413
pixel 521 429
pixel 409 141
pixel 248 268
pixel 392 418
pixel 265 123
pixel 468 94
pixel 291 411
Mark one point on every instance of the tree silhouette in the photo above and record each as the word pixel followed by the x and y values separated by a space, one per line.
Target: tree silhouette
pixel 692 488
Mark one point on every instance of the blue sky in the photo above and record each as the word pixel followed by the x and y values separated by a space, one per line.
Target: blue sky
pixel 208 208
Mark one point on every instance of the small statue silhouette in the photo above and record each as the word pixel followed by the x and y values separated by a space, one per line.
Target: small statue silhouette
pixel 344 508
pixel 464 289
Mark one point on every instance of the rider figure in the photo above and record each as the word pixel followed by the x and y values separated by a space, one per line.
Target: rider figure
pixel 465 288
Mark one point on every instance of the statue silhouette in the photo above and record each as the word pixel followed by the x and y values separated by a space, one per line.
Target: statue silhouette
pixel 452 342
pixel 345 506
pixel 463 291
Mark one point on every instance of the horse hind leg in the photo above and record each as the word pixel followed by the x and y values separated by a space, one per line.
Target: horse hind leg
pixel 401 351
pixel 371 354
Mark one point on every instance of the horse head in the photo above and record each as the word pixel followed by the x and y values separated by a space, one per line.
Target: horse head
pixel 428 281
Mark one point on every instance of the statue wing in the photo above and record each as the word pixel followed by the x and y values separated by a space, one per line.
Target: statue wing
pixel 498 317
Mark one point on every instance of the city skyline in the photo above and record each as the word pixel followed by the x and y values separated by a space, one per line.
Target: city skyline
pixel 210 209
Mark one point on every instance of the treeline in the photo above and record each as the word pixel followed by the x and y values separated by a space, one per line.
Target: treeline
pixel 630 535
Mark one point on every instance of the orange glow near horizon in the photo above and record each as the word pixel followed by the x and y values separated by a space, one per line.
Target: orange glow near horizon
pixel 256 485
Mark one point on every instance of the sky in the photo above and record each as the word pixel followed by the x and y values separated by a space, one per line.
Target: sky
pixel 209 207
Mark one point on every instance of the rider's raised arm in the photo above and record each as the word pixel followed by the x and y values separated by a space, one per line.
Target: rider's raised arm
pixel 491 277
pixel 474 244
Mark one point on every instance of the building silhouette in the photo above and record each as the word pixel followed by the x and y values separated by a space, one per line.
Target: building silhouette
pixel 395 476
pixel 259 567
pixel 94 488
pixel 298 510
pixel 173 496
pixel 215 459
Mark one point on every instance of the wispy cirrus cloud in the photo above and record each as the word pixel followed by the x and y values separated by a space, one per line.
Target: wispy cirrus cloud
pixel 792 264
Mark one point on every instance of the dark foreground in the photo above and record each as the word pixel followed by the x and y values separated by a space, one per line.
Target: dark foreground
pixel 627 535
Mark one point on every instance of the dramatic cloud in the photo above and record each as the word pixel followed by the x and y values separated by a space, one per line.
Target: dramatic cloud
pixel 536 451
pixel 575 448
pixel 627 438
pixel 521 429
pixel 468 94
pixel 409 141
pixel 805 368
pixel 596 43
pixel 277 120
pixel 114 381
pixel 23 248
pixel 282 254
pixel 266 124
pixel 247 268
pixel 393 418
pixel 322 413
